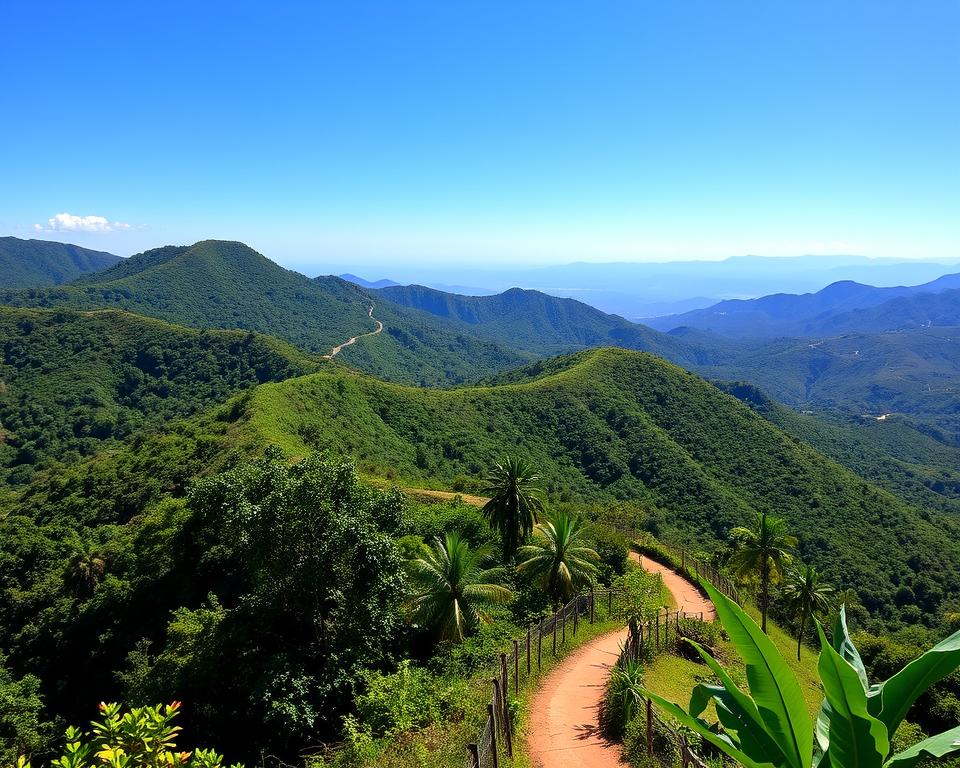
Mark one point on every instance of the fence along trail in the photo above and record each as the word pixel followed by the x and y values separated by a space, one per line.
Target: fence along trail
pixel 564 715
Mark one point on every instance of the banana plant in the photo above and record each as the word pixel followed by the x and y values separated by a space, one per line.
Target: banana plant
pixel 768 726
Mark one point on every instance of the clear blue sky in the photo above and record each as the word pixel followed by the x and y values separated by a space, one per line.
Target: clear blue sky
pixel 485 131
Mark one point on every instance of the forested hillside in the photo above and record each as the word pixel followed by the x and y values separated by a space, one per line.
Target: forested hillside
pixel 73 382
pixel 219 284
pixel 540 324
pixel 38 263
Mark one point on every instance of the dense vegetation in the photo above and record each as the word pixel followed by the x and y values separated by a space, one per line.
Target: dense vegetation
pixel 38 263
pixel 619 425
pixel 536 323
pixel 217 284
pixel 72 382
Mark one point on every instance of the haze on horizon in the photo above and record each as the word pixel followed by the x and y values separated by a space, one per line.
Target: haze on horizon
pixel 493 136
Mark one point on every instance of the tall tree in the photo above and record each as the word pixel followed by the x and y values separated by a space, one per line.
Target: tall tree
pixel 87 567
pixel 515 502
pixel 806 595
pixel 763 551
pixel 558 557
pixel 453 588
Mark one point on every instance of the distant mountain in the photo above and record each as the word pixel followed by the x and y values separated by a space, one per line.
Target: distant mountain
pixel 222 284
pixel 384 283
pixel 40 263
pixel 838 308
pixel 638 290
pixel 536 323
pixel 915 310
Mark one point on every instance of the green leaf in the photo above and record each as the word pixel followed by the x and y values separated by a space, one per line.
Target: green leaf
pixel 856 738
pixel 737 712
pixel 942 744
pixel 847 650
pixel 892 699
pixel 721 742
pixel 773 685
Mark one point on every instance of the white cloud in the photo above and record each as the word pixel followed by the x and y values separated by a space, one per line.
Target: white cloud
pixel 68 222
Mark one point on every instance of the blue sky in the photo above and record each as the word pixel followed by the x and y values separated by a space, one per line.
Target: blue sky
pixel 485 132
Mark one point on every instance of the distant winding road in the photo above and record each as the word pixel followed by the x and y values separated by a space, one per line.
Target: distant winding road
pixel 353 339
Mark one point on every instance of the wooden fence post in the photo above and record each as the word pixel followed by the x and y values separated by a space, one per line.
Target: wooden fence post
pixel 516 667
pixel 592 601
pixel 576 614
pixel 540 645
pixel 609 604
pixel 649 728
pixel 658 630
pixel 563 631
pixel 504 687
pixel 474 755
pixel 556 619
pixel 528 651
pixel 493 733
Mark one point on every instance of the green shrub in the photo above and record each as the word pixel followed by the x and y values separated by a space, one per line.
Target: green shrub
pixel 623 699
pixel 705 633
pixel 409 698
pixel 143 737
pixel 665 750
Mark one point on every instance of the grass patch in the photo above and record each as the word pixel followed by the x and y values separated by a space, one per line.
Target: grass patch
pixel 674 677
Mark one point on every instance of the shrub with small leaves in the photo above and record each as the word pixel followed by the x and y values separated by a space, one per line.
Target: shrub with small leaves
pixel 143 737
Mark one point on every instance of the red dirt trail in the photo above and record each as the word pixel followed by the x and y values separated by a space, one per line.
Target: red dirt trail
pixel 564 715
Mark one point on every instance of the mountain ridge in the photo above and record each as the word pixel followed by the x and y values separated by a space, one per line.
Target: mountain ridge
pixel 40 263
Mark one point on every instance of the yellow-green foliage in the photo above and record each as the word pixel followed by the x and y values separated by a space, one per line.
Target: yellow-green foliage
pixel 141 737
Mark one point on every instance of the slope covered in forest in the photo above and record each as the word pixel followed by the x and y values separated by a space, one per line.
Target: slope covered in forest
pixel 223 284
pixel 613 424
pixel 39 263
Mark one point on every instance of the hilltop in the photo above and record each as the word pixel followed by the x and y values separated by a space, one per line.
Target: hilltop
pixel 223 284
pixel 842 307
pixel 39 263
pixel 537 323
pixel 606 425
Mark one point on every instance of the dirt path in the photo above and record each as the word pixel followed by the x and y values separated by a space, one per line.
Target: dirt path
pixel 565 711
pixel 564 715
pixel 685 594
pixel 353 339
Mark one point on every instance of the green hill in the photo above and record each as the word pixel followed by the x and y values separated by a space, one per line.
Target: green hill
pixel 72 382
pixel 537 323
pixel 891 452
pixel 219 284
pixel 611 424
pixel 39 263
pixel 915 373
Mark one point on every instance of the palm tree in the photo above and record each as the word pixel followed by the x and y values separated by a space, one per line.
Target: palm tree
pixel 453 588
pixel 515 502
pixel 557 556
pixel 763 551
pixel 806 595
pixel 87 567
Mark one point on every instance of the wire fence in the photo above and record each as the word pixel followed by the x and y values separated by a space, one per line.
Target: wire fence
pixel 695 568
pixel 527 655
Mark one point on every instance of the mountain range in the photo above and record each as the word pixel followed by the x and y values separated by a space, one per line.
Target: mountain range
pixel 841 307
pixel 37 263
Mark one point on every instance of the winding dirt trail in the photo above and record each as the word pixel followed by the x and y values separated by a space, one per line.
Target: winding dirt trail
pixel 685 594
pixel 353 339
pixel 565 711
